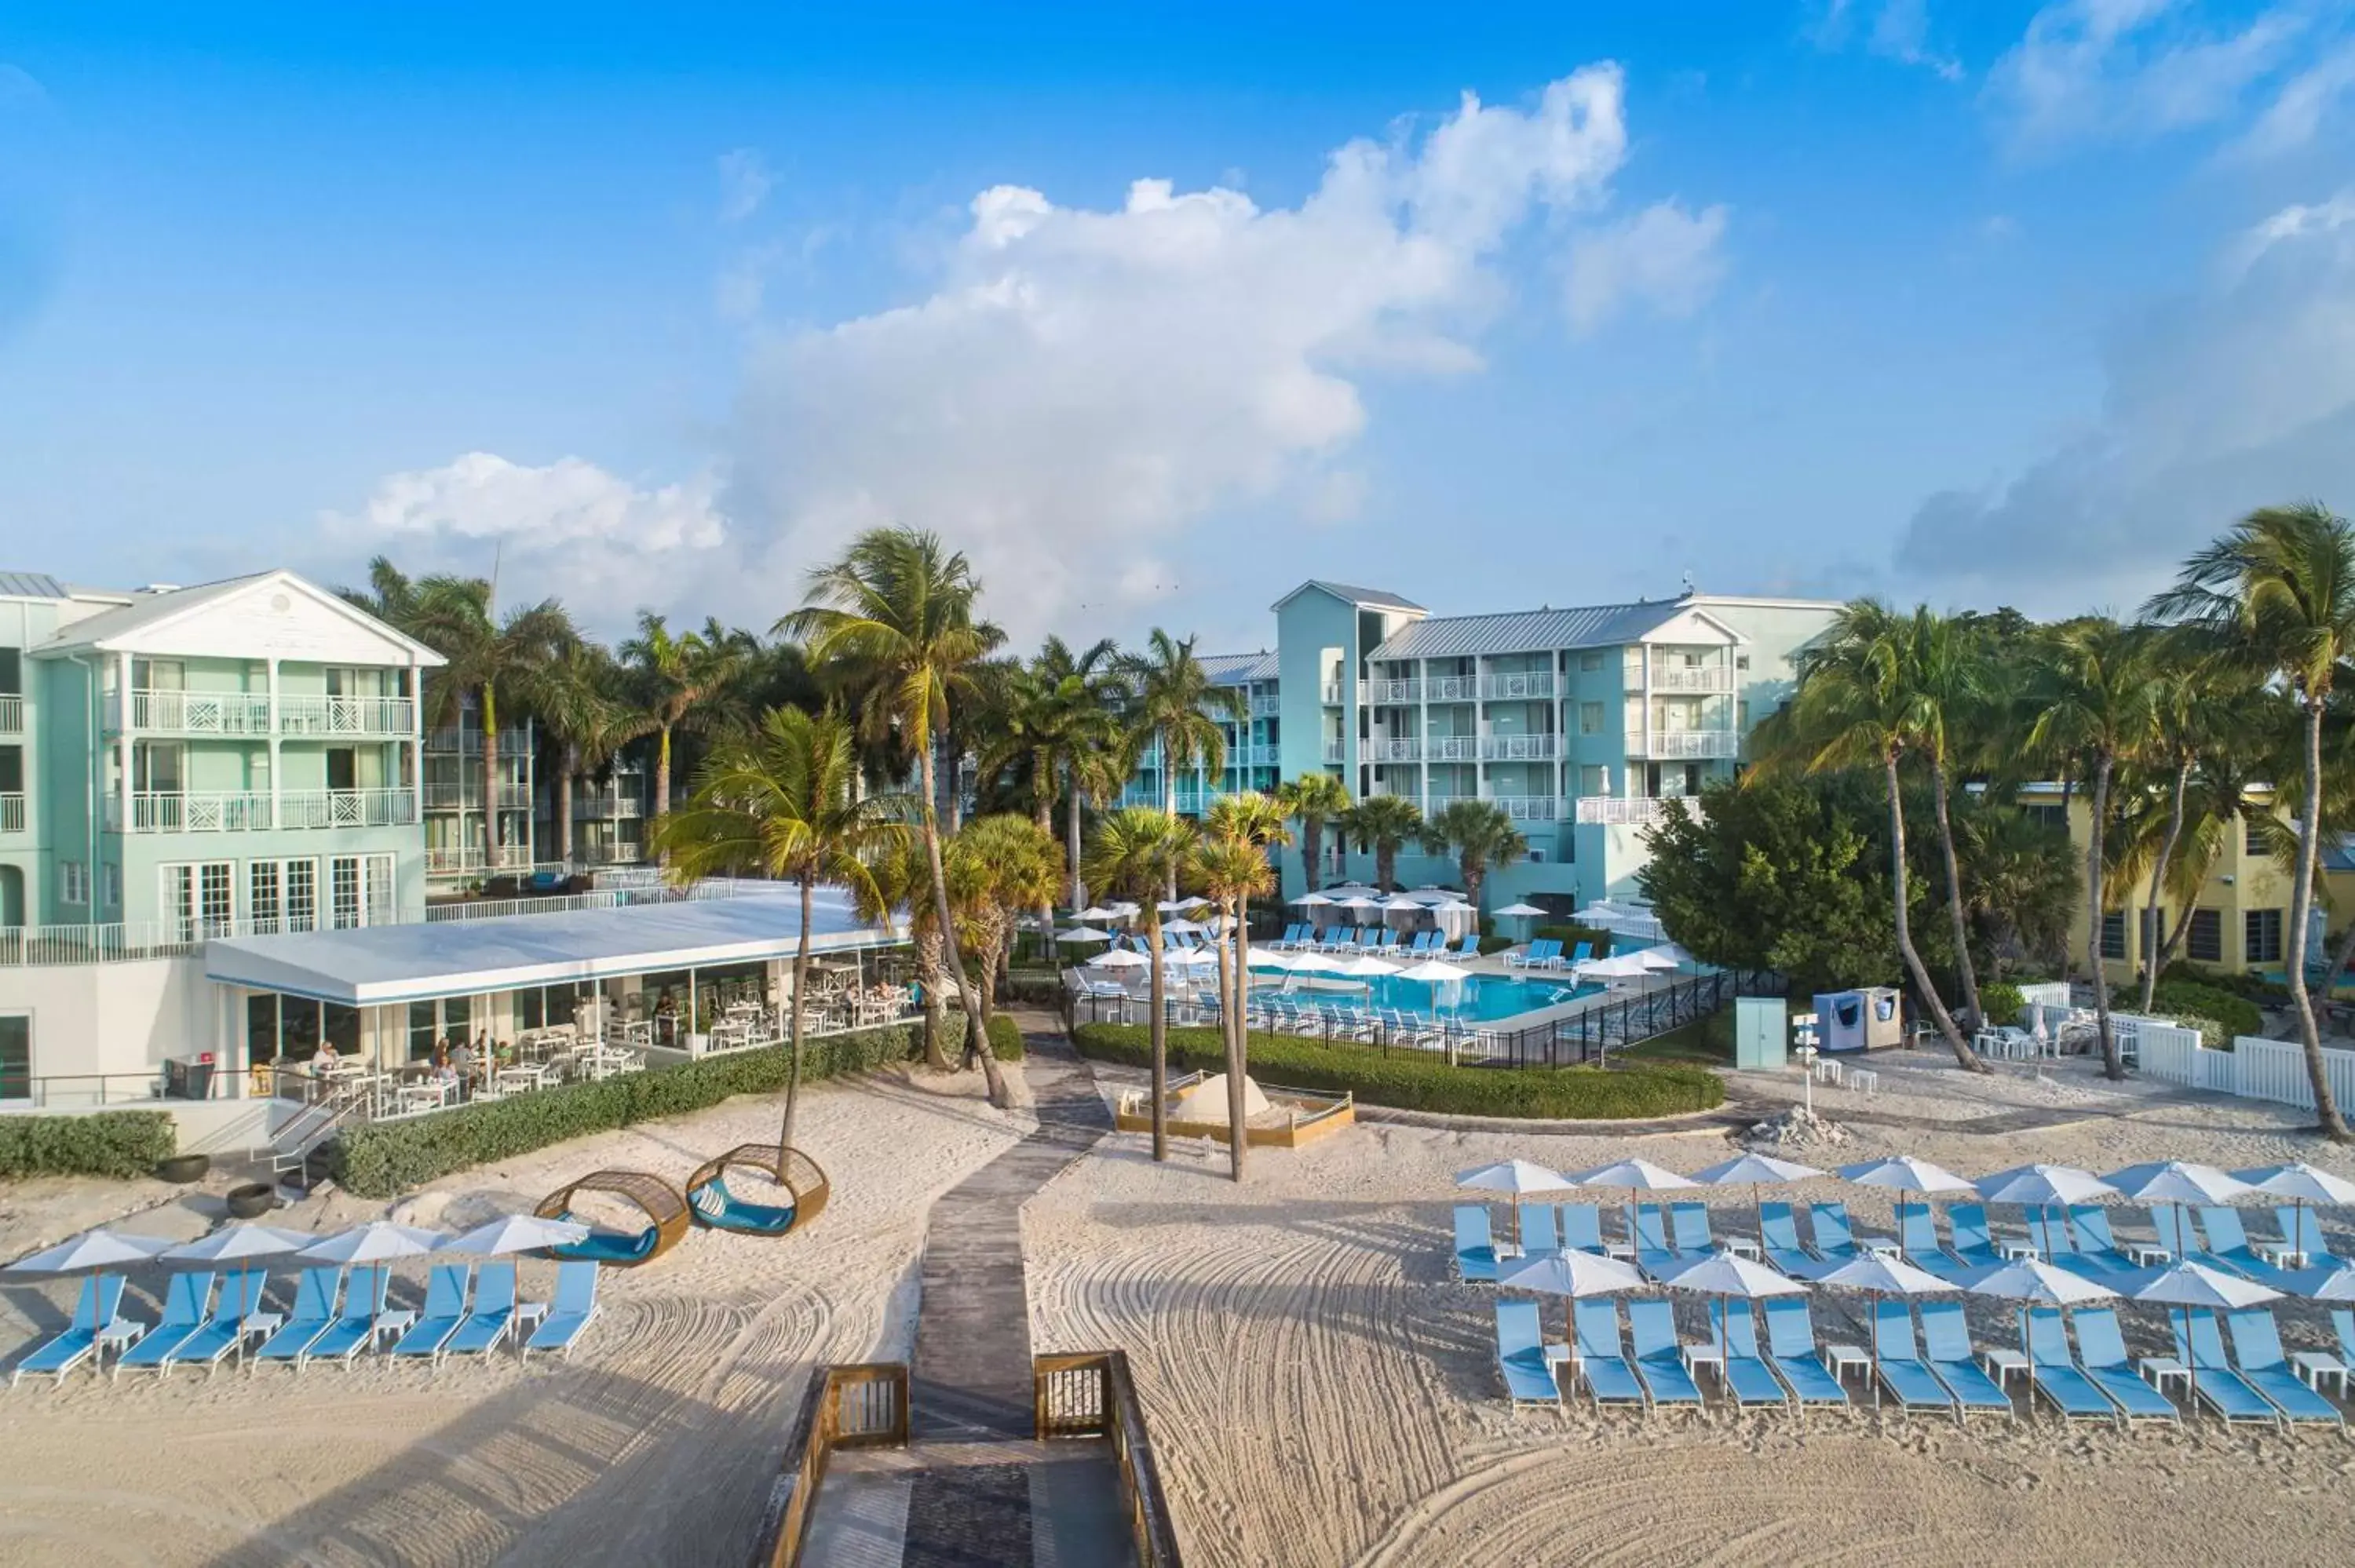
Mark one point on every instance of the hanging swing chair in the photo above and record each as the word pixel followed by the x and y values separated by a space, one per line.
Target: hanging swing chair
pixel 665 1211
pixel 718 1207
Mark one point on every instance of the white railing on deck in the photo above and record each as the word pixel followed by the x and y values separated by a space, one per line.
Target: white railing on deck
pixel 12 713
pixel 12 812
pixel 344 716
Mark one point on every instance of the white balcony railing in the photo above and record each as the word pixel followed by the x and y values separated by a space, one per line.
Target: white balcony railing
pixel 1266 707
pixel 1683 745
pixel 345 809
pixel 346 715
pixel 1379 749
pixel 1389 692
pixel 468 738
pixel 1618 811
pixel 12 812
pixel 1452 748
pixel 1333 692
pixel 601 807
pixel 475 857
pixel 1333 752
pixel 1450 688
pixel 193 713
pixel 1530 808
pixel 1518 688
pixel 12 713
pixel 235 812
pixel 1683 678
pixel 1520 747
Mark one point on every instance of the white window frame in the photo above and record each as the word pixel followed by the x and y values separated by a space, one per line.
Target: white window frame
pixel 73 882
pixel 110 885
pixel 201 894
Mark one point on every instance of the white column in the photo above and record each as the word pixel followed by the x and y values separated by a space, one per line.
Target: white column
pixel 123 754
pixel 1644 650
pixel 416 741
pixel 276 816
pixel 1422 734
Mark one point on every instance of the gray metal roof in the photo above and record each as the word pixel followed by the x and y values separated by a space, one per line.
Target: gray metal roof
pixel 1375 599
pixel 1528 630
pixel 30 585
pixel 1238 668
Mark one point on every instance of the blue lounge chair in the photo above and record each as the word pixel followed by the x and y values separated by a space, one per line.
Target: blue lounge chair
pixel 1946 1343
pixel 1659 1360
pixel 1917 1238
pixel 1475 1249
pixel 2302 1228
pixel 572 1311
pixel 1834 1242
pixel 1603 1354
pixel 1520 1356
pixel 1578 955
pixel 1421 944
pixel 2102 1352
pixel 1539 1232
pixel 2228 1242
pixel 1582 1228
pixel 1386 942
pixel 1688 1229
pixel 364 1294
pixel 487 1328
pixel 315 1313
pixel 186 1301
pixel 1654 1255
pixel 225 1329
pixel 1778 1241
pixel 1791 1346
pixel 2054 1373
pixel 1535 956
pixel 2181 1239
pixel 93 1312
pixel 1898 1361
pixel 2213 1381
pixel 1747 1376
pixel 446 1309
pixel 2257 1347
pixel 2097 1249
pixel 1970 1244
pixel 2342 1318
pixel 2048 1233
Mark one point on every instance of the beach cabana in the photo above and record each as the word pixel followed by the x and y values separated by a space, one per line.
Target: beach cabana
pixel 663 1206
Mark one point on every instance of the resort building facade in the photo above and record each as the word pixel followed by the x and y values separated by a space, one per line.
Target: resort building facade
pixel 1580 723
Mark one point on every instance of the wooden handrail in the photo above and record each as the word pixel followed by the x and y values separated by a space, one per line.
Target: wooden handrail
pixel 861 1404
pixel 1090 1394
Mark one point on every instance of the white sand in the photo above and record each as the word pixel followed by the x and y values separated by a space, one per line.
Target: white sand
pixel 657 1443
pixel 1321 1392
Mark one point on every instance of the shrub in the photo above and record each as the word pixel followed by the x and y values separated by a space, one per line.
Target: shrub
pixel 104 1143
pixel 1571 935
pixel 1495 945
pixel 1005 1038
pixel 1415 1080
pixel 2174 997
pixel 2001 1002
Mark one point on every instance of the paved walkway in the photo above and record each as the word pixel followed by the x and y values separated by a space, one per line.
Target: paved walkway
pixel 972 1487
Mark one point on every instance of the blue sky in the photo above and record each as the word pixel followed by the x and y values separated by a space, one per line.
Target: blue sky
pixel 1959 302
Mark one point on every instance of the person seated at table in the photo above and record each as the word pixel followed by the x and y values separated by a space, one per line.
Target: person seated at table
pixel 326 1058
pixel 443 1073
pixel 462 1064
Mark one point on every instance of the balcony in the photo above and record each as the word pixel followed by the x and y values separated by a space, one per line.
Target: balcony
pixel 1520 747
pixel 1379 749
pixel 1391 693
pixel 1252 756
pixel 237 812
pixel 468 738
pixel 474 857
pixel 346 808
pixel 1618 811
pixel 601 807
pixel 1333 751
pixel 192 713
pixel 1450 688
pixel 1518 688
pixel 1452 748
pixel 1706 678
pixel 391 717
pixel 12 812
pixel 12 713
pixel 1266 707
pixel 1528 808
pixel 1333 692
pixel 1684 745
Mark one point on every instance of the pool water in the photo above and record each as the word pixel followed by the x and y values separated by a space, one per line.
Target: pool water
pixel 1475 998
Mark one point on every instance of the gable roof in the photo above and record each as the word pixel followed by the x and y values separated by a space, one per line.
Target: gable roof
pixel 1530 630
pixel 1240 668
pixel 30 585
pixel 1371 598
pixel 149 621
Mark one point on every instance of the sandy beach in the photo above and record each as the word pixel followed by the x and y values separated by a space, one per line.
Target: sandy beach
pixel 656 1443
pixel 1322 1392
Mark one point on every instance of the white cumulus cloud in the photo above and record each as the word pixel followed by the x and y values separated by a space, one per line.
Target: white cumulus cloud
pixel 1664 256
pixel 2123 70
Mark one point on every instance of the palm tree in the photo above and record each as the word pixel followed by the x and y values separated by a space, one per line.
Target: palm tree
pixel 1046 713
pixel 1952 679
pixel 2280 588
pixel 1313 799
pixel 901 607
pixel 1856 707
pixel 1172 698
pixel 2198 707
pixel 1383 824
pixel 1138 851
pixel 572 697
pixel 902 881
pixel 489 660
pixel 2094 697
pixel 1235 863
pixel 781 802
pixel 998 866
pixel 390 596
pixel 677 675
pixel 1483 839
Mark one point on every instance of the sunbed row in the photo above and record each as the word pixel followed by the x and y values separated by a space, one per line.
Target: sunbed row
pixel 1377 939
pixel 1547 953
pixel 335 1315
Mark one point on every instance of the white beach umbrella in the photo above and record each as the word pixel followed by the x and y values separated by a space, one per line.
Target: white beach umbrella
pixel 1637 1176
pixel 2178 1182
pixel 1432 972
pixel 1518 1177
pixel 1181 928
pixel 1121 958
pixel 1520 911
pixel 1654 958
pixel 1084 933
pixel 1172 905
pixel 233 1244
pixel 2043 1184
pixel 1573 1275
pixel 2333 1281
pixel 1903 1173
pixel 1879 1276
pixel 1725 1274
pixel 1618 966
pixel 1755 1171
pixel 2033 1282
pixel 1316 964
pixel 1097 912
pixel 91 1249
pixel 1268 958
pixel 2189 1285
pixel 1312 900
pixel 516 1232
pixel 378 1241
pixel 2302 1184
pixel 1365 966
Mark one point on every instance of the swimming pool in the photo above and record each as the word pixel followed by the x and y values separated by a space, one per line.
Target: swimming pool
pixel 1480 998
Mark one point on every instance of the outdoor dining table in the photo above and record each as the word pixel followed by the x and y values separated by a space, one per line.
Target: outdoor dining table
pixel 522 1077
pixel 431 1095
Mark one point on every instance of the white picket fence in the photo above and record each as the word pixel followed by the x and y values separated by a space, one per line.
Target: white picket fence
pixel 2254 1069
pixel 2046 993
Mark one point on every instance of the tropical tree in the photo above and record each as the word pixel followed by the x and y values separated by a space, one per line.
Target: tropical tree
pixel 1052 714
pixel 1172 699
pixel 901 605
pixel 1952 684
pixel 2199 702
pixel 2279 588
pixel 1383 824
pixel 1481 836
pixel 1234 862
pixel 1137 853
pixel 571 696
pixel 2094 697
pixel 390 596
pixel 999 866
pixel 901 881
pixel 1857 706
pixel 781 802
pixel 489 659
pixel 675 675
pixel 1313 799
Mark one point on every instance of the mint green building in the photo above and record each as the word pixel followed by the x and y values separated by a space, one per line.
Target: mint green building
pixel 1579 721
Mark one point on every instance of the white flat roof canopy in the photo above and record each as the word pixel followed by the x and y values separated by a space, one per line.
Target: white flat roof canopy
pixel 380 964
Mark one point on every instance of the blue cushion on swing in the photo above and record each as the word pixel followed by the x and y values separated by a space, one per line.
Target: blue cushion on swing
pixel 609 1246
pixel 722 1210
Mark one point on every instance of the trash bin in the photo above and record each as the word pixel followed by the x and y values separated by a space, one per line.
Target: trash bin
pixel 189 1078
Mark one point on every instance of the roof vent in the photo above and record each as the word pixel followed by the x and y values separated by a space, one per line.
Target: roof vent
pixel 158 588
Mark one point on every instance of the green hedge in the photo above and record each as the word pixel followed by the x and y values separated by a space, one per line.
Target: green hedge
pixel 1571 935
pixel 1005 1038
pixel 2001 1002
pixel 1417 1080
pixel 2236 1014
pixel 104 1143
